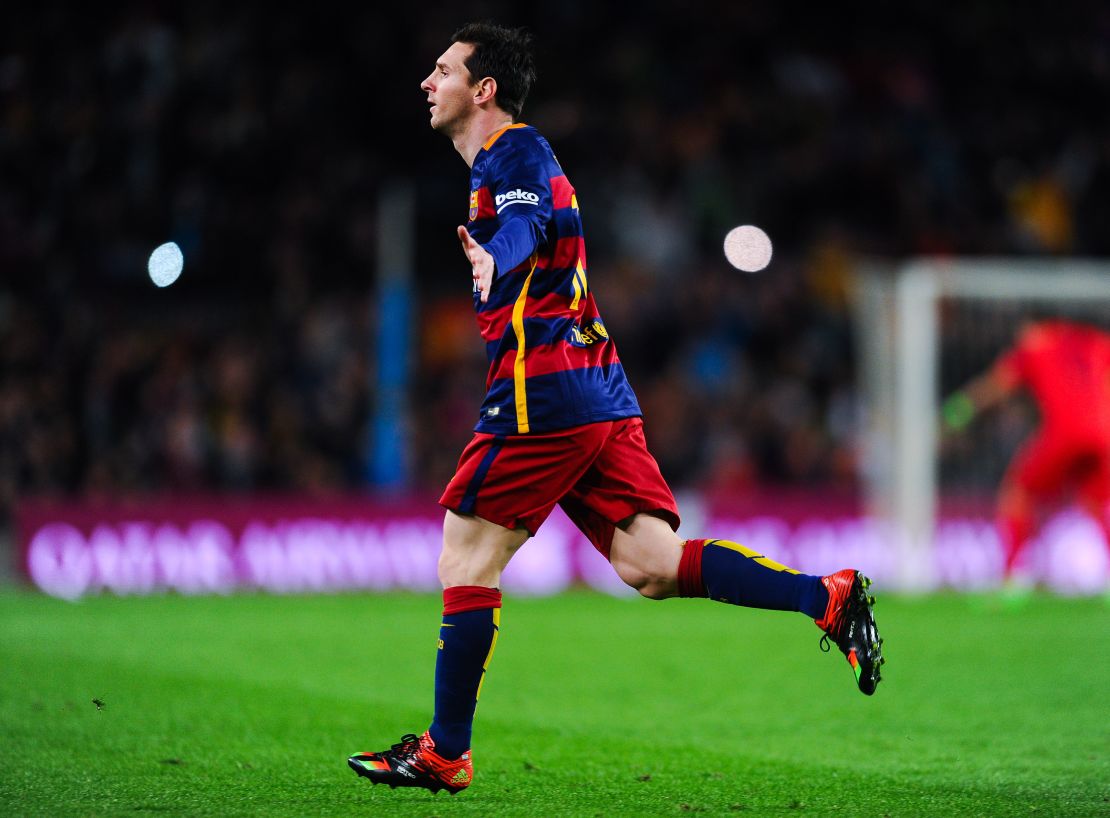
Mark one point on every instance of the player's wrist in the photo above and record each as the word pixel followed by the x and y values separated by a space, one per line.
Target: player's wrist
pixel 495 268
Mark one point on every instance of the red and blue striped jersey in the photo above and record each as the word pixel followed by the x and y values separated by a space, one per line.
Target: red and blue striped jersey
pixel 552 362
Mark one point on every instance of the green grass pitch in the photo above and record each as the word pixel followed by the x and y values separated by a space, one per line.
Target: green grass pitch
pixel 594 706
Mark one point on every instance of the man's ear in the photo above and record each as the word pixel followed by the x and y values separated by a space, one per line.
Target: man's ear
pixel 485 90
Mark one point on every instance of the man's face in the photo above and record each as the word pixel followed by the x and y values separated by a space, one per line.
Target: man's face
pixel 451 89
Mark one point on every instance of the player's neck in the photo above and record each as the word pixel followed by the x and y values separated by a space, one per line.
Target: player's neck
pixel 479 131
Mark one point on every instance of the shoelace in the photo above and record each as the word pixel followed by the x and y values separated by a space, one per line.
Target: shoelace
pixel 407 746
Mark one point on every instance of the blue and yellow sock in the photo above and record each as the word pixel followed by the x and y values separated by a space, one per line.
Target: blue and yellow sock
pixel 729 572
pixel 471 617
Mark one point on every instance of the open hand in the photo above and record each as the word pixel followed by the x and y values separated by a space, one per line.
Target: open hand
pixel 481 263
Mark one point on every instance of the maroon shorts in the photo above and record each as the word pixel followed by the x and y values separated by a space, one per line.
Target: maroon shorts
pixel 600 473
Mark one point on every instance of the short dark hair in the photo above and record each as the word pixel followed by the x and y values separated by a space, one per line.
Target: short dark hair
pixel 504 54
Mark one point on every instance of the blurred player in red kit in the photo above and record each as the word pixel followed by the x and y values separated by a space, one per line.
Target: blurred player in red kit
pixel 560 423
pixel 1066 368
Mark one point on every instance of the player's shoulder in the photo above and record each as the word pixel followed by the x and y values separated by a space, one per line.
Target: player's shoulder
pixel 1038 335
pixel 519 142
pixel 1064 333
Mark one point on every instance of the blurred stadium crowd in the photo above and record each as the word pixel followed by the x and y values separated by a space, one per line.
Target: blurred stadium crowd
pixel 259 140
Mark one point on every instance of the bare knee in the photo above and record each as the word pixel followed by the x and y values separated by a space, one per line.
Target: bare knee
pixel 650 584
pixel 645 556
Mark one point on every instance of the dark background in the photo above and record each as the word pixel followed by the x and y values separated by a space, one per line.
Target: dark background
pixel 260 139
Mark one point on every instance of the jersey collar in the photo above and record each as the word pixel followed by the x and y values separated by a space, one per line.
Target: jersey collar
pixel 496 136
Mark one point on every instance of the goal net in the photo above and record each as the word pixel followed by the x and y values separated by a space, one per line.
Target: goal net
pixel 926 327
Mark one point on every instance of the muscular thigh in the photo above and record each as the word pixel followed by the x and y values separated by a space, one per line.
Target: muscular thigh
pixel 624 480
pixel 476 551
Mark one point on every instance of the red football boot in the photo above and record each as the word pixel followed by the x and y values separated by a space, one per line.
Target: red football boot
pixel 850 622
pixel 413 762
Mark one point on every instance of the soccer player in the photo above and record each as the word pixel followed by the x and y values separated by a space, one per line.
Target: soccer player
pixel 1066 368
pixel 560 423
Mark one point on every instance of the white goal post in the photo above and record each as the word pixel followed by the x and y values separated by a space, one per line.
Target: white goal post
pixel 898 330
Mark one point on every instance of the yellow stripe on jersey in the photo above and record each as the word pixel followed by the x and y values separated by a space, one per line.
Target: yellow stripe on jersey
pixel 519 375
pixel 579 282
pixel 492 645
pixel 747 552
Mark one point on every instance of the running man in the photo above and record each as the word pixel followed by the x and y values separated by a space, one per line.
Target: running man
pixel 560 423
pixel 1066 368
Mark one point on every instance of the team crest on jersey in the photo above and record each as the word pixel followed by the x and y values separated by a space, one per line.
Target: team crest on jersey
pixel 473 205
pixel 587 336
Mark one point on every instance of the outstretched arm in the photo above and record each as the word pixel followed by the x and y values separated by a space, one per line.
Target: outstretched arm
pixel 983 392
